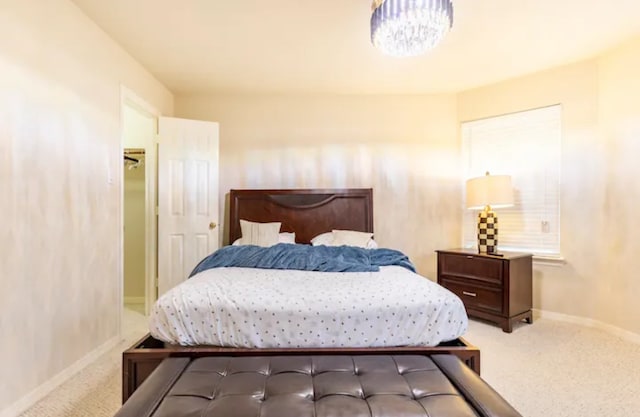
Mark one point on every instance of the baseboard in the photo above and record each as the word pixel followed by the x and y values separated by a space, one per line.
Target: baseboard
pixel 24 403
pixel 134 300
pixel 613 330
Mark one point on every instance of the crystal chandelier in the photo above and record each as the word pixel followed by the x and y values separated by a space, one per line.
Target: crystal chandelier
pixel 409 27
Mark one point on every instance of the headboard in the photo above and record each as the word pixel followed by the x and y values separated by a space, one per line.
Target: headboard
pixel 307 212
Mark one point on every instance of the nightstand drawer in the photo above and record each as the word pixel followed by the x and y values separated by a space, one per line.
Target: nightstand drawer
pixel 477 297
pixel 472 267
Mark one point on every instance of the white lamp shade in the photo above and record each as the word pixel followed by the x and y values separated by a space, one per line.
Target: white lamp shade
pixel 489 190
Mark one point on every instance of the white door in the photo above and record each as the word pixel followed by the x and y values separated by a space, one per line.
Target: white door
pixel 187 197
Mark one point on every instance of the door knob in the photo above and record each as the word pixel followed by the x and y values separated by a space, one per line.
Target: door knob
pixel 212 225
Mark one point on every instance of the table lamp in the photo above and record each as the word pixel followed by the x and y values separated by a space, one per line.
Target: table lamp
pixel 489 192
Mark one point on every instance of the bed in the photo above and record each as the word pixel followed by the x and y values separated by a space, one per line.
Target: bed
pixel 308 213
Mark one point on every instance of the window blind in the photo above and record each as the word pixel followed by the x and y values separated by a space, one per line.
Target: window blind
pixel 527 146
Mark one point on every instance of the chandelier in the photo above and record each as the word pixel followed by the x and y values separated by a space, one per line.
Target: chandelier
pixel 404 28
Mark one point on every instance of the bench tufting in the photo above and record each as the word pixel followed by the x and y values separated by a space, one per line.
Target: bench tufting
pixel 316 386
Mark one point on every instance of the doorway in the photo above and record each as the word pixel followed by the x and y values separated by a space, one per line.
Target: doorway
pixel 139 214
pixel 134 230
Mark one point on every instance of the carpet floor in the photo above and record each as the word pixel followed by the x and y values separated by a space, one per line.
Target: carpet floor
pixel 546 369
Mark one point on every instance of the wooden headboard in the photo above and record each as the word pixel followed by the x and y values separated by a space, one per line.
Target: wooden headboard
pixel 307 212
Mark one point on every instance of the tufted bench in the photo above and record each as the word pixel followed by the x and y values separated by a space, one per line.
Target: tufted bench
pixel 316 386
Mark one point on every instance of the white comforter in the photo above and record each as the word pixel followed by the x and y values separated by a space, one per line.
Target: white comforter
pixel 259 308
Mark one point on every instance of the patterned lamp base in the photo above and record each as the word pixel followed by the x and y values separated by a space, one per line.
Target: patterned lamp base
pixel 487 231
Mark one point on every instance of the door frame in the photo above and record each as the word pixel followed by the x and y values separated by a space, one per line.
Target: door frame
pixel 129 98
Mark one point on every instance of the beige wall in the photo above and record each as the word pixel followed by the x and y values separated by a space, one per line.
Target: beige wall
pixel 619 195
pixel 134 233
pixel 601 120
pixel 405 147
pixel 59 144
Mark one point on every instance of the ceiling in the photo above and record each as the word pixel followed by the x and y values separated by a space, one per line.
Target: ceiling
pixel 323 46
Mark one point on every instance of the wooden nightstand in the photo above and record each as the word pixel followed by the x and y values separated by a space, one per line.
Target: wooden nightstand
pixel 493 288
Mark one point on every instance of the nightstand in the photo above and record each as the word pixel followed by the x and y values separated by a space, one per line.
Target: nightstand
pixel 492 288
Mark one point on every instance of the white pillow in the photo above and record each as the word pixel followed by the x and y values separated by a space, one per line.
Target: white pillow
pixel 351 238
pixel 260 234
pixel 282 238
pixel 323 239
pixel 329 239
pixel 286 237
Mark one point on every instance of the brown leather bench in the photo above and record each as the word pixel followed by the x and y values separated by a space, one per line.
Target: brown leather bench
pixel 316 386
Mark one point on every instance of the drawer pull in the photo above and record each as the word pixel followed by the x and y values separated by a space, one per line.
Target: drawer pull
pixel 470 294
pixel 469 257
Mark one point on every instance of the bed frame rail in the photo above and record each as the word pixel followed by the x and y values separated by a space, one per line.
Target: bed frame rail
pixel 139 361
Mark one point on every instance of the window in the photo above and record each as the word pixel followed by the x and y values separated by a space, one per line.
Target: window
pixel 525 145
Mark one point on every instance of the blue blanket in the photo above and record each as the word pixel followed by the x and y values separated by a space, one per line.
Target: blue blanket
pixel 304 258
